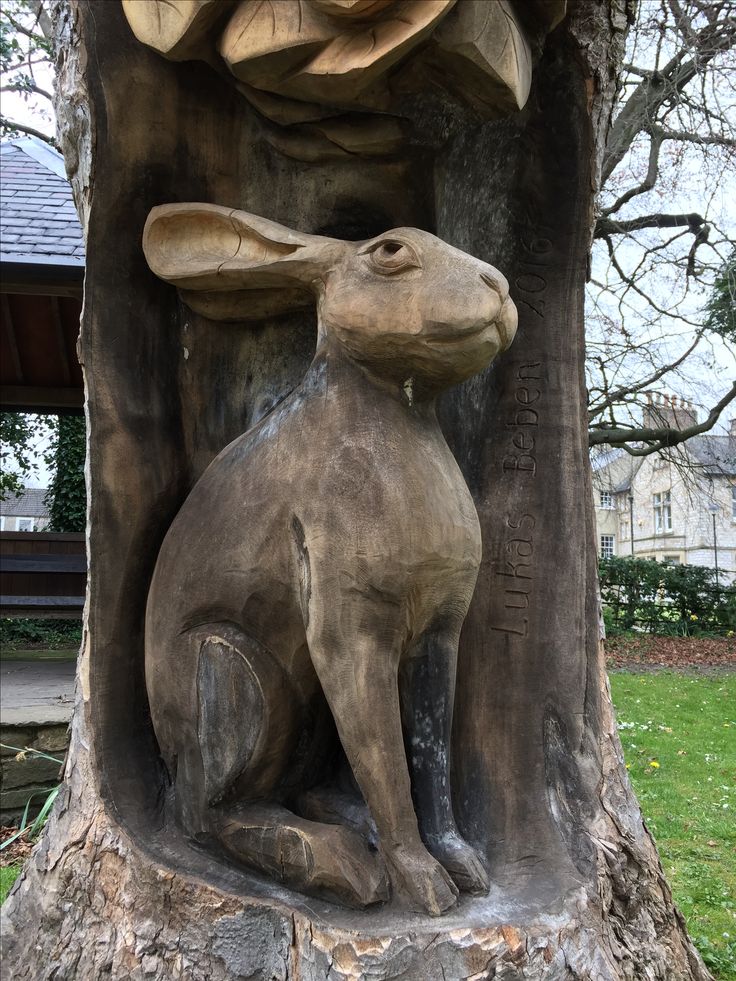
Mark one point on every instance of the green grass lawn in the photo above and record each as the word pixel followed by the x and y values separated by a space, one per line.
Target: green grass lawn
pixel 678 732
pixel 679 736
pixel 8 875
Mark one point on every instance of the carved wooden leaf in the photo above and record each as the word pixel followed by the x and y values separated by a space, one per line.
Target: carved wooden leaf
pixel 297 49
pixel 177 29
pixel 484 39
pixel 267 38
pixel 352 8
pixel 353 60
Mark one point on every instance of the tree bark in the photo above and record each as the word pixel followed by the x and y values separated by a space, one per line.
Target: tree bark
pixel 539 781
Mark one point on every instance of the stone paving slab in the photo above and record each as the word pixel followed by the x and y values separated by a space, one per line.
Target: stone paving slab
pixel 36 692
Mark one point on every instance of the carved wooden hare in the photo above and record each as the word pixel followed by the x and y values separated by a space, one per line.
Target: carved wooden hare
pixel 324 563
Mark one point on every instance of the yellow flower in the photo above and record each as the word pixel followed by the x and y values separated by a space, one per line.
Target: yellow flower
pixel 693 616
pixel 654 764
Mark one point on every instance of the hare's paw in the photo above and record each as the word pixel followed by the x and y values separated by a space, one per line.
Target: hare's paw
pixel 416 874
pixel 311 857
pixel 461 861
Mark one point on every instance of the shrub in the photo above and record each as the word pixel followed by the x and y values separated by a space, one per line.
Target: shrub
pixel 17 632
pixel 645 595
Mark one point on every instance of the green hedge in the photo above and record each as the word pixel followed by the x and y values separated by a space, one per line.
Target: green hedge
pixel 52 634
pixel 659 598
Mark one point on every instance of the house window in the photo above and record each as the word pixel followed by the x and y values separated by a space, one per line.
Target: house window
pixel 662 512
pixel 25 524
pixel 607 546
pixel 624 531
pixel 733 501
pixel 671 559
pixel 606 499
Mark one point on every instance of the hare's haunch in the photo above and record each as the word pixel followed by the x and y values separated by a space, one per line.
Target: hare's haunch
pixel 316 579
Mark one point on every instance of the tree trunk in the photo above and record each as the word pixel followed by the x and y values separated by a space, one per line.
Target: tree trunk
pixel 539 782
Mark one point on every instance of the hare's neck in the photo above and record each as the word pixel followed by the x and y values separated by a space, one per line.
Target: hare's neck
pixel 347 376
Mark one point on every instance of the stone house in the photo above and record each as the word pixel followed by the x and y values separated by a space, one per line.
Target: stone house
pixel 678 508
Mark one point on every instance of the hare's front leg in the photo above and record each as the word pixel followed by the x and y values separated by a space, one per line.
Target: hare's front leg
pixel 427 683
pixel 356 658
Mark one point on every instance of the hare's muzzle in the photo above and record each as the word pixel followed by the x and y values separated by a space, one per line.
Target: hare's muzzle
pixel 507 319
pixel 497 282
pixel 507 322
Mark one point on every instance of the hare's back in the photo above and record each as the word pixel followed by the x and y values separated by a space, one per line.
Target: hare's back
pixel 228 554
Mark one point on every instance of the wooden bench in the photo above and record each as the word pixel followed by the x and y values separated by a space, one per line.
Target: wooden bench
pixel 42 574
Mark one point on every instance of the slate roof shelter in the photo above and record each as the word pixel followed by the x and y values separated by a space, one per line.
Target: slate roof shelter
pixel 41 277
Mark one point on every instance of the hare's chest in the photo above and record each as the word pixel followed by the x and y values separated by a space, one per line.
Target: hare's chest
pixel 386 497
pixel 436 517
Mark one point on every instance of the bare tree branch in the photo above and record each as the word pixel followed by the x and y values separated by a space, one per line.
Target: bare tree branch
pixel 610 226
pixel 625 391
pixel 27 87
pixel 38 39
pixel 701 139
pixel 656 439
pixel 649 181
pixel 11 124
pixel 700 239
pixel 42 18
pixel 659 87
pixel 632 284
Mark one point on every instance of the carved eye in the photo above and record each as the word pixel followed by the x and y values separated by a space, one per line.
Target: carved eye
pixel 391 256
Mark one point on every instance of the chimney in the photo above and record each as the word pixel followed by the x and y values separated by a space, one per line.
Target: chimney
pixel 732 428
pixel 671 412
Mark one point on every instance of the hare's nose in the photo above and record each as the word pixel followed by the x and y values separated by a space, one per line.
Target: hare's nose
pixel 497 283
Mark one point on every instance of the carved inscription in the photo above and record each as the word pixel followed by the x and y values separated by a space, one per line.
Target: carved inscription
pixel 515 569
pixel 521 456
pixel 530 290
pixel 531 283
pixel 516 573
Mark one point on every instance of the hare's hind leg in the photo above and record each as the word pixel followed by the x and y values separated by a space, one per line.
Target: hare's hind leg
pixel 247 727
pixel 427 684
pixel 236 726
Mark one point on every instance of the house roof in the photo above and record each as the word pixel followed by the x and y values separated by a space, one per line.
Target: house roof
pixel 613 469
pixel 29 504
pixel 602 456
pixel 716 454
pixel 623 485
pixel 38 221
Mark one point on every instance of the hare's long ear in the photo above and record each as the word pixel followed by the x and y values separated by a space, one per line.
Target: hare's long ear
pixel 231 265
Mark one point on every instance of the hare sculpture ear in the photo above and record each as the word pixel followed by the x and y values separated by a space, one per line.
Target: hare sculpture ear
pixel 230 265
